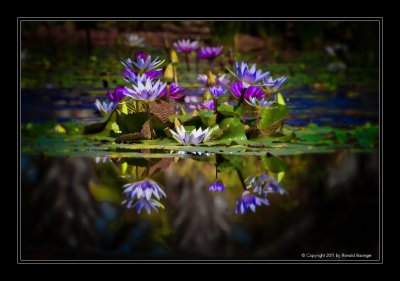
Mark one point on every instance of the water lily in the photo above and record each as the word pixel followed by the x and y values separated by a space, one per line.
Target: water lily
pixel 117 94
pixel 143 189
pixel 253 101
pixel 148 205
pixel 154 73
pixel 176 92
pixel 145 91
pixel 104 107
pixel 134 40
pixel 274 84
pixel 221 80
pixel 141 55
pixel 265 184
pixel 144 65
pixel 208 104
pixel 186 46
pixel 251 91
pixel 195 137
pixel 217 91
pixel 216 186
pixel 209 52
pixel 249 76
pixel 249 201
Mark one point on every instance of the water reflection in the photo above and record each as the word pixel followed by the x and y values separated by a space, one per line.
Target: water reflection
pixel 80 206
pixel 140 195
pixel 147 193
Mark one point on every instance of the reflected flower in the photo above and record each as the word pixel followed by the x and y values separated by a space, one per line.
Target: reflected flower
pixel 216 186
pixel 249 201
pixel 186 46
pixel 265 184
pixel 117 94
pixel 146 92
pixel 222 80
pixel 253 101
pixel 217 91
pixel 250 91
pixel 143 189
pixel 209 52
pixel 134 40
pixel 195 137
pixel 274 84
pixel 104 107
pixel 147 205
pixel 248 75
pixel 175 91
pixel 104 159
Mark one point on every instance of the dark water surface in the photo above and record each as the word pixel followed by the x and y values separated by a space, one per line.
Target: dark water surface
pixel 71 209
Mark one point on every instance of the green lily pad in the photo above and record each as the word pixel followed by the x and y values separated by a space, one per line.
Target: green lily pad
pixel 232 130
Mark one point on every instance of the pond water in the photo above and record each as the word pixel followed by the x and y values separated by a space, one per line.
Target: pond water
pixel 75 208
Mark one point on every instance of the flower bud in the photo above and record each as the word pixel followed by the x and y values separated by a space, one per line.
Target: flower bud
pixel 169 73
pixel 211 79
pixel 174 57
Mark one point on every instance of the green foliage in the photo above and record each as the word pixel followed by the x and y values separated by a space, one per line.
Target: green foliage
pixel 271 115
pixel 129 123
pixel 232 130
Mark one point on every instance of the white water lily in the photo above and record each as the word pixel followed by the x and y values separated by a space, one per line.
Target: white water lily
pixel 195 137
pixel 134 40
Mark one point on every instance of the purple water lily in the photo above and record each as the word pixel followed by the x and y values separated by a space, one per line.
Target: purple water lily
pixel 176 92
pixel 209 52
pixel 144 65
pixel 143 189
pixel 148 205
pixel 133 77
pixel 217 91
pixel 186 46
pixel 249 76
pixel 249 201
pixel 154 73
pixel 141 55
pixel 221 80
pixel 265 184
pixel 116 95
pixel 250 91
pixel 104 107
pixel 274 84
pixel 216 186
pixel 140 195
pixel 148 91
pixel 195 137
pixel 208 104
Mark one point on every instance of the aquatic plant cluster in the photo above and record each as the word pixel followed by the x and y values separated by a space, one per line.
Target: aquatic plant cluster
pixel 240 104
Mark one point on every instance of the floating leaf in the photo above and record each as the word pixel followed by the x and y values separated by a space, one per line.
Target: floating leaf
pixel 232 130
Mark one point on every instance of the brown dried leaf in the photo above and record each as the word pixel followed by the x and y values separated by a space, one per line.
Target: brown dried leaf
pixel 162 110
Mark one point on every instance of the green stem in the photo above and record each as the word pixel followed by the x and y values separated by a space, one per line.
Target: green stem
pixel 241 179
